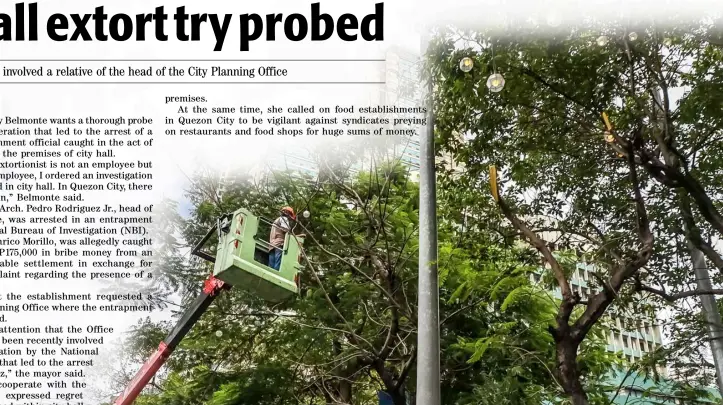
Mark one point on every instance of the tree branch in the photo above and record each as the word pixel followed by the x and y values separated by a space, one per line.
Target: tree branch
pixel 569 300
pixel 406 369
pixel 351 265
pixel 600 302
pixel 692 232
pixel 540 245
pixel 674 297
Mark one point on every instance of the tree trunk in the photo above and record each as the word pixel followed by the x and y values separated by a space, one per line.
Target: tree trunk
pixel 345 393
pixel 344 384
pixel 568 372
pixel 399 397
pixel 389 378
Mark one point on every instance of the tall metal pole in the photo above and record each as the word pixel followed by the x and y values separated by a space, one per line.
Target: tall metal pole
pixel 428 361
pixel 710 310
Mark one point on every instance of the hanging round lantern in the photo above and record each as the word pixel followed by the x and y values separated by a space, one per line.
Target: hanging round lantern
pixel 466 64
pixel 633 36
pixel 219 333
pixel 602 40
pixel 495 82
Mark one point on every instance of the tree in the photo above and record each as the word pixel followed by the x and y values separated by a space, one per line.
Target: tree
pixel 619 201
pixel 354 317
pixel 353 330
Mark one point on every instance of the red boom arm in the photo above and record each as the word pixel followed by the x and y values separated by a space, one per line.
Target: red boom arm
pixel 145 374
pixel 211 288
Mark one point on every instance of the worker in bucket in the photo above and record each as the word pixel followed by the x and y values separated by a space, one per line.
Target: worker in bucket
pixel 279 229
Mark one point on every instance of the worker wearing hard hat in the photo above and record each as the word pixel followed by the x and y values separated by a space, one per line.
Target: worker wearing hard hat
pixel 279 229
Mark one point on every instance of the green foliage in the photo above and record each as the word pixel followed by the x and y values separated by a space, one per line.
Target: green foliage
pixel 545 134
pixel 332 343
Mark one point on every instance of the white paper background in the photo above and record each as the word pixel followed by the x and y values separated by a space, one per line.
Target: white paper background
pixel 174 156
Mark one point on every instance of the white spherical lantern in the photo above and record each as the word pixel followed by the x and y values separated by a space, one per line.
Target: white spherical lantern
pixel 466 64
pixel 495 82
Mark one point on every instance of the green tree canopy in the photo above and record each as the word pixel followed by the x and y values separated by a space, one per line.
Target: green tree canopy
pixel 627 198
pixel 352 332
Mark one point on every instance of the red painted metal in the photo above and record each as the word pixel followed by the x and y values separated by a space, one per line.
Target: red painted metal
pixel 144 375
pixel 212 285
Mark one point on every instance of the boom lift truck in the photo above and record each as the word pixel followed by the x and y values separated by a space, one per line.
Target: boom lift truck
pixel 241 260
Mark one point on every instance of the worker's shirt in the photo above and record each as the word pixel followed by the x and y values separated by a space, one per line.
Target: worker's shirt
pixel 278 232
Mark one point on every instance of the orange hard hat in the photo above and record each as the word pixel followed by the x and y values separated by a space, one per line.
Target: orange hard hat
pixel 289 211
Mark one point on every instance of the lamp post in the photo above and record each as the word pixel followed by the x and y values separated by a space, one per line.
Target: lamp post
pixel 428 359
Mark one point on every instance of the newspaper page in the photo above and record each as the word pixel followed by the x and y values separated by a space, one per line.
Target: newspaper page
pixel 336 203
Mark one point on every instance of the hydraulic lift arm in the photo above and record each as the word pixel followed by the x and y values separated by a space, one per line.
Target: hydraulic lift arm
pixel 212 287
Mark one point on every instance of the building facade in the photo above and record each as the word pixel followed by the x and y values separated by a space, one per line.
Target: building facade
pixel 631 335
pixel 402 89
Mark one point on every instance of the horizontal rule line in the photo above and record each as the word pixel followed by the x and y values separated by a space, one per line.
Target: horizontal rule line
pixel 1 82
pixel 193 60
